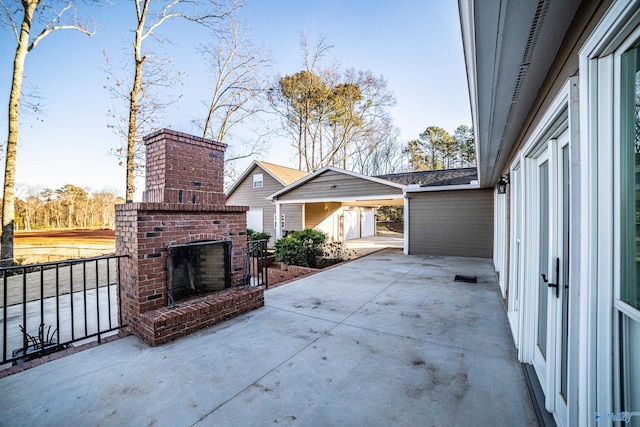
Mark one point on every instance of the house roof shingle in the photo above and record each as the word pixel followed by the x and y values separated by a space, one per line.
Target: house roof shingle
pixel 284 174
pixel 434 178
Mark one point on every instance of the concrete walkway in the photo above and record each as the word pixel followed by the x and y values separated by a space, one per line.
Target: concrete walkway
pixel 368 245
pixel 385 340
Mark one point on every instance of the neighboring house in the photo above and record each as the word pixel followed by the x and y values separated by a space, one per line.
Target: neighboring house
pixel 339 202
pixel 554 88
pixel 251 189
pixel 446 213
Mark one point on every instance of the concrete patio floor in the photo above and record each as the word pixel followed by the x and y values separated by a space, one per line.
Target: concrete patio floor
pixel 387 339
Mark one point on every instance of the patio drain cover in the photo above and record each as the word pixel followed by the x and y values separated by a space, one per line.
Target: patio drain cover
pixel 465 279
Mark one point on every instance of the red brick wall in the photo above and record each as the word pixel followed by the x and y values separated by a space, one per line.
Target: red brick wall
pixel 276 275
pixel 143 232
pixel 168 323
pixel 183 168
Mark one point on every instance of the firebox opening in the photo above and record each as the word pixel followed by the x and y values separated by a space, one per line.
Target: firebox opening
pixel 197 269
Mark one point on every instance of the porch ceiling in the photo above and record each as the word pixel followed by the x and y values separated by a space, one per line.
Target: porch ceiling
pixel 509 45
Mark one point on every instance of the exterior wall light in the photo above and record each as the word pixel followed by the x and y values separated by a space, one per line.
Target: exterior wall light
pixel 501 185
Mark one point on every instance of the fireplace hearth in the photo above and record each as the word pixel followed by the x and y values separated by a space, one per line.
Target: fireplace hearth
pixel 185 248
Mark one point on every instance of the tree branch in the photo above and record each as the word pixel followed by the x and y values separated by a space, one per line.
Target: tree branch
pixel 12 24
pixel 56 24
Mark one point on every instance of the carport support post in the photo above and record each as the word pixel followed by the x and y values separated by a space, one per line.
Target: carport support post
pixel 405 245
pixel 278 221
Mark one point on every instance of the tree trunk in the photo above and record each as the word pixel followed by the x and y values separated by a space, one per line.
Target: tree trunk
pixel 133 107
pixel 8 199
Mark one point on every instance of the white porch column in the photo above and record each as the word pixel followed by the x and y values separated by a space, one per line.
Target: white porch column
pixel 278 221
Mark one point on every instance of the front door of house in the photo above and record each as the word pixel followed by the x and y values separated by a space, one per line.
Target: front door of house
pixel 551 323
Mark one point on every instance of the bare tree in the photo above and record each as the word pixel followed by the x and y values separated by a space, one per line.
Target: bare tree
pixel 26 18
pixel 238 92
pixel 381 152
pixel 28 204
pixel 363 121
pixel 150 15
pixel 239 86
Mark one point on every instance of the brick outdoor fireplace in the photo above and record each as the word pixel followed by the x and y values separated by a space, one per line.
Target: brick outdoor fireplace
pixel 185 249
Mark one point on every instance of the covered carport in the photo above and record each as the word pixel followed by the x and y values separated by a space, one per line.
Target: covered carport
pixel 339 202
pixel 446 213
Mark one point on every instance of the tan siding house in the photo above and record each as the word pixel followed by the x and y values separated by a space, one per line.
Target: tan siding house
pixel 258 181
pixel 341 203
pixel 445 212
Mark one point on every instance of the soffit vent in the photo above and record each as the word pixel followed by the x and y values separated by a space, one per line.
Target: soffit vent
pixel 536 24
pixel 532 39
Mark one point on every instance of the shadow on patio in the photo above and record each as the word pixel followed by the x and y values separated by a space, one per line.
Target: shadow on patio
pixel 387 339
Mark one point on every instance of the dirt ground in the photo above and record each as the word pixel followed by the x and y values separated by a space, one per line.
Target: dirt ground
pixel 56 236
pixel 54 245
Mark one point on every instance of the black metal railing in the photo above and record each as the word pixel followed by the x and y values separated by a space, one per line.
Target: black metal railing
pixel 257 262
pixel 47 307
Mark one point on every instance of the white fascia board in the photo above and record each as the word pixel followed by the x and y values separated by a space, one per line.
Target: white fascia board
pixel 467 30
pixel 366 177
pixel 383 197
pixel 441 188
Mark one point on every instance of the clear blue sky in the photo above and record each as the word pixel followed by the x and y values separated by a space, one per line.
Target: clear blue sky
pixel 415 44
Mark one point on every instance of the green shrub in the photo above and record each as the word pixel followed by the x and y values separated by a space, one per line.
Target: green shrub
pixel 257 235
pixel 303 248
pixel 316 237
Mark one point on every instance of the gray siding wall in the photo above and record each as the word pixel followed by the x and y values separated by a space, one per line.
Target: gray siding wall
pixel 320 187
pixel 451 223
pixel 246 195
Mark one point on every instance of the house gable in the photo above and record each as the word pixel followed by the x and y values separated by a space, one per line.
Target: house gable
pixel 332 184
pixel 243 193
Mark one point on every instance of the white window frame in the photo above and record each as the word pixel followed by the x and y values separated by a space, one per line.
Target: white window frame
pixel 561 115
pixel 600 203
pixel 500 233
pixel 258 180
pixel 516 247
